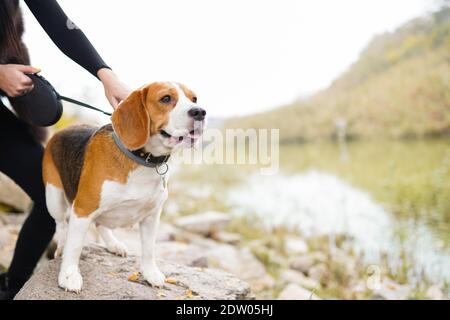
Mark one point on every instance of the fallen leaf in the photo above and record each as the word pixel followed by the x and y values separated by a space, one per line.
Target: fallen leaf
pixel 161 294
pixel 134 277
pixel 188 293
pixel 171 280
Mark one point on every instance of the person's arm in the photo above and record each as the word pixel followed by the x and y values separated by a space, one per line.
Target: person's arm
pixel 72 42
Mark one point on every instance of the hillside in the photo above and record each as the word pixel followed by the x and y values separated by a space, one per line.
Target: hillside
pixel 398 88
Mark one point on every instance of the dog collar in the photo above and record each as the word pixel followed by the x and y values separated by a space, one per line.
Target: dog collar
pixel 141 157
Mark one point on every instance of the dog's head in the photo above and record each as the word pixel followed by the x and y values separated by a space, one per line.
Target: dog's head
pixel 159 117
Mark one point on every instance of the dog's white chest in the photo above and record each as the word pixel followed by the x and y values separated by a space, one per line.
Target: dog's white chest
pixel 123 205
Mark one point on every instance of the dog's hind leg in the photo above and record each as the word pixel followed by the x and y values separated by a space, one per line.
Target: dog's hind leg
pixel 57 206
pixel 60 236
pixel 112 244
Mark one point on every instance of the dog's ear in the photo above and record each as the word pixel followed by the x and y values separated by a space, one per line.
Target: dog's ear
pixel 131 120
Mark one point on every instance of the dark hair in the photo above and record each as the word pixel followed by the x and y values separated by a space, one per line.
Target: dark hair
pixel 11 29
pixel 13 50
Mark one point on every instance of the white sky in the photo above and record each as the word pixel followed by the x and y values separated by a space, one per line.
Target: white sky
pixel 239 56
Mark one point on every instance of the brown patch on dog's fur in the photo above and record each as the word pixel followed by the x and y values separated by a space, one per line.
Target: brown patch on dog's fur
pixel 103 160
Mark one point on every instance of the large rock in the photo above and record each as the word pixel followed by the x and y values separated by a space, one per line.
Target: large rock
pixel 106 277
pixel 193 250
pixel 12 195
pixel 204 223
pixel 196 251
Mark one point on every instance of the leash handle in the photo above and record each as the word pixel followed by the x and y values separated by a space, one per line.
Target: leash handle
pixel 83 104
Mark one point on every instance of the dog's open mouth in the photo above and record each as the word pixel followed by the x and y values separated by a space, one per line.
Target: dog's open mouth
pixel 191 137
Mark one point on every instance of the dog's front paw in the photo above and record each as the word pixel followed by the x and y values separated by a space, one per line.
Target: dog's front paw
pixel 154 277
pixel 118 248
pixel 70 279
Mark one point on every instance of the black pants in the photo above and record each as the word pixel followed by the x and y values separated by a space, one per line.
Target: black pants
pixel 21 160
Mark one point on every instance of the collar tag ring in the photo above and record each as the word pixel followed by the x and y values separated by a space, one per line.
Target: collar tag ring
pixel 162 168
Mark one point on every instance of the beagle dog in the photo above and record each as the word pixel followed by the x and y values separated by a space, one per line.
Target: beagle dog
pixel 115 175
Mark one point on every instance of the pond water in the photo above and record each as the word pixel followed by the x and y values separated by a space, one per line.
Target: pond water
pixel 392 198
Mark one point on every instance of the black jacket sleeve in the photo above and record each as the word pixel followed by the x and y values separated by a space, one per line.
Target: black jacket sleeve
pixel 66 35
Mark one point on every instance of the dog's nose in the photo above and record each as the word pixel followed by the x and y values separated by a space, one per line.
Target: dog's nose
pixel 197 113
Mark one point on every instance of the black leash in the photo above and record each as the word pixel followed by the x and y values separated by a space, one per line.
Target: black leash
pixel 82 104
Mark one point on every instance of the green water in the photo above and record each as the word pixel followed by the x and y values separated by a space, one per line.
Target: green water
pixel 410 178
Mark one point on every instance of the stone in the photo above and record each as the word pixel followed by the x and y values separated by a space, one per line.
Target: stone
pixel 319 257
pixel 435 293
pixel 182 253
pixel 345 261
pixel 226 237
pixel 5 237
pixel 302 263
pixel 295 292
pixel 203 252
pixel 16 219
pixel 204 223
pixel 12 195
pixel 264 283
pixel 106 278
pixel 390 290
pixel 318 271
pixel 238 261
pixel 295 245
pixel 288 276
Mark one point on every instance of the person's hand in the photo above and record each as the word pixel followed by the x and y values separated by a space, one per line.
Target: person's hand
pixel 115 90
pixel 14 81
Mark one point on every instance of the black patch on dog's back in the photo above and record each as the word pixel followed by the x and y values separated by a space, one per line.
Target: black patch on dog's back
pixel 68 154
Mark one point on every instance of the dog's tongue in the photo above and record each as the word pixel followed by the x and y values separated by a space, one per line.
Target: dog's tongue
pixel 198 129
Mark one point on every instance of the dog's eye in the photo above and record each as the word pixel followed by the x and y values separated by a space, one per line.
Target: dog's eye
pixel 166 99
pixel 194 99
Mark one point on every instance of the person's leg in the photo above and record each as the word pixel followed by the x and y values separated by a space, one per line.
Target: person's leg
pixel 21 160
